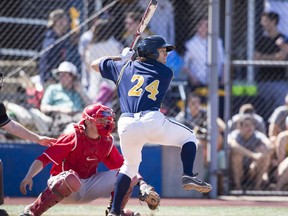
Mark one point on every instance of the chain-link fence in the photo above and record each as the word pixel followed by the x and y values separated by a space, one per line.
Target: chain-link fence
pixel 35 41
pixel 259 77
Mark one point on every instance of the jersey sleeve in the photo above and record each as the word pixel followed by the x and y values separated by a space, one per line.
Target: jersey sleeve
pixel 110 69
pixel 4 119
pixel 114 160
pixel 60 149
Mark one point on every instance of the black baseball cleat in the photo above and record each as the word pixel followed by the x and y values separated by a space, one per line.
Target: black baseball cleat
pixel 124 212
pixel 193 183
pixel 25 214
pixel 112 214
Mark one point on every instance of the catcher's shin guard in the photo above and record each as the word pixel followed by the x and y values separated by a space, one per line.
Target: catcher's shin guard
pixel 44 201
pixel 62 186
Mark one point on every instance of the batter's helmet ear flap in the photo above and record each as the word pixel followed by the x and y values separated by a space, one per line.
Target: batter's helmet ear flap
pixel 148 47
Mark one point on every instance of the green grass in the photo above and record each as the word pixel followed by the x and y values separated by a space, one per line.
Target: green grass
pixel 86 210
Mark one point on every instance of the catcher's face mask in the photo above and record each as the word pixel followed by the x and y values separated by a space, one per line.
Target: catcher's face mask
pixel 102 116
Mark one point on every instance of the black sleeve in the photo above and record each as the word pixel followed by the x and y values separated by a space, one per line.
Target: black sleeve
pixel 4 119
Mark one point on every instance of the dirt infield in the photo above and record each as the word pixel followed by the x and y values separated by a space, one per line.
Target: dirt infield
pixel 221 201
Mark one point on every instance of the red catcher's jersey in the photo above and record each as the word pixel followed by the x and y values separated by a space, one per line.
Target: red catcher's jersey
pixel 78 152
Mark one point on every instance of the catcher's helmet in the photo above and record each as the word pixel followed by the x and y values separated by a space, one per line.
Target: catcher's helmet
pixel 148 47
pixel 103 117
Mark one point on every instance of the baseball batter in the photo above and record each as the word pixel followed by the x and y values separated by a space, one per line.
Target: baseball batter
pixel 75 157
pixel 142 85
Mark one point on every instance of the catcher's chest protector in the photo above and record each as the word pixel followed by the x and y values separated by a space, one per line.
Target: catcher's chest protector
pixel 88 153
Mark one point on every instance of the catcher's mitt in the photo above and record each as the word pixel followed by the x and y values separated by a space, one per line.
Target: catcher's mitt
pixel 148 194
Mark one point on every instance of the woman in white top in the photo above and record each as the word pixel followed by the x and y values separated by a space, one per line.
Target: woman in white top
pixel 102 44
pixel 196 55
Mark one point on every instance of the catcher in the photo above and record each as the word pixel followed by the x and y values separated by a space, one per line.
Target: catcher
pixel 75 157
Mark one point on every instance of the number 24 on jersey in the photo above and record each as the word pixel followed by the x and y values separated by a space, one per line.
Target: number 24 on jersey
pixel 137 89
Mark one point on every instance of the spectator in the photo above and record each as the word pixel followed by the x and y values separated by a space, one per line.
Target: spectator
pixel 57 26
pixel 102 43
pixel 194 115
pixel 119 11
pixel 84 41
pixel 277 120
pixel 282 158
pixel 72 53
pixel 247 109
pixel 271 80
pixel 19 130
pixel 132 21
pixel 279 7
pixel 264 50
pixel 250 151
pixel 65 100
pixel 267 49
pixel 196 56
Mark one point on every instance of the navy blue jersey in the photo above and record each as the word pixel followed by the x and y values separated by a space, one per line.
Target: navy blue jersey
pixel 143 85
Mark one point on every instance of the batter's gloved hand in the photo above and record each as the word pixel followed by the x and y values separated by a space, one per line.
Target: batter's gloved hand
pixel 127 54
pixel 148 194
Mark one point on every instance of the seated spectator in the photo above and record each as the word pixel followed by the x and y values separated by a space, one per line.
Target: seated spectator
pixel 20 131
pixel 282 159
pixel 194 115
pixel 57 26
pixel 277 120
pixel 250 151
pixel 247 109
pixel 65 100
pixel 34 89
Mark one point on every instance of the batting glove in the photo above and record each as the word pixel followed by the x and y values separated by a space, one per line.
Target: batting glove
pixel 127 54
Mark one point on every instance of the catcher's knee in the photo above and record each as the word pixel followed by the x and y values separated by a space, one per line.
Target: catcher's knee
pixel 66 183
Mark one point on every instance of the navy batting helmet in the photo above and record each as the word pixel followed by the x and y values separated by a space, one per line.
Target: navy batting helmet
pixel 148 47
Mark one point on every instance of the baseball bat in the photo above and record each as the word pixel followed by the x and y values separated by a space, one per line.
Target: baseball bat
pixel 148 14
